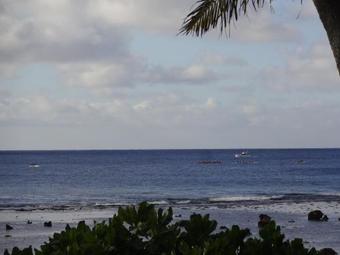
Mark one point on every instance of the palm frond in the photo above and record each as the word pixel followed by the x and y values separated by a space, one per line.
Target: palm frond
pixel 212 13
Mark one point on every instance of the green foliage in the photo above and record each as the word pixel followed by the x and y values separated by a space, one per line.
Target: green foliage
pixel 145 230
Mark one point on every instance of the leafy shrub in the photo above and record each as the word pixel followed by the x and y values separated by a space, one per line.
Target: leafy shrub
pixel 144 230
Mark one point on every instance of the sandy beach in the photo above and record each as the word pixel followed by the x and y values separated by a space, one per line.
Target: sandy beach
pixel 291 217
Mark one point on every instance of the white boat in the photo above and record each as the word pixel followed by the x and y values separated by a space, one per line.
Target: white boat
pixel 34 165
pixel 243 154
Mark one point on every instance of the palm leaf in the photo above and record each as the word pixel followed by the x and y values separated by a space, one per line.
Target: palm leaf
pixel 212 13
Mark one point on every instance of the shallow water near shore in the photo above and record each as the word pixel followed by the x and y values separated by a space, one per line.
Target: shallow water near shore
pixel 68 186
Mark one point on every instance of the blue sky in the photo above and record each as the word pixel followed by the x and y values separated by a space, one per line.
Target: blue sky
pixel 114 74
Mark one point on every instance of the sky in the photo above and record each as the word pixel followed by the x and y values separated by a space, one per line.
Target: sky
pixel 115 74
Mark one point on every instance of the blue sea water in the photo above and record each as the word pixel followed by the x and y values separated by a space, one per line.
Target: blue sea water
pixel 67 179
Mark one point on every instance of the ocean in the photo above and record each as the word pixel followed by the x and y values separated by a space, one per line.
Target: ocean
pixel 65 187
pixel 102 178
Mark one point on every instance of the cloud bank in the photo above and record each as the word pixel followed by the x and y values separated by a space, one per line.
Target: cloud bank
pixel 118 76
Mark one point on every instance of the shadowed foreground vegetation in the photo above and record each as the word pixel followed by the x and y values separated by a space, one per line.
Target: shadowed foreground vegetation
pixel 150 231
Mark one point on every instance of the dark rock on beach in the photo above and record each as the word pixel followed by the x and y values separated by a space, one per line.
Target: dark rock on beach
pixel 327 251
pixel 264 220
pixel 48 224
pixel 8 227
pixel 317 215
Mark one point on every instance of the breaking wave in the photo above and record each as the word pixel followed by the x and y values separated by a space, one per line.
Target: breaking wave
pixel 227 200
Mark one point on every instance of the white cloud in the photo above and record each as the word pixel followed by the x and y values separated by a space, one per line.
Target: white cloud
pixel 214 58
pixel 166 121
pixel 101 75
pixel 150 15
pixel 192 74
pixel 108 76
pixel 89 44
pixel 90 48
pixel 311 68
pixel 42 109
pixel 263 27
pixel 142 106
pixel 37 30
pixel 55 32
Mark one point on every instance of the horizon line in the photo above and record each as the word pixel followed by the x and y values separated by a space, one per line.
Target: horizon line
pixel 168 149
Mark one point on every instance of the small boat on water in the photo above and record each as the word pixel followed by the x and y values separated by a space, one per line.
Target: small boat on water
pixel 243 154
pixel 210 162
pixel 34 165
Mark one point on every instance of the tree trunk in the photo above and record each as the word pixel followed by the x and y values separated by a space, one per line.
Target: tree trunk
pixel 329 12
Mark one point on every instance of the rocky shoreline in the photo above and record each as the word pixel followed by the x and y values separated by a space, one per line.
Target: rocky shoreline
pixel 34 227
